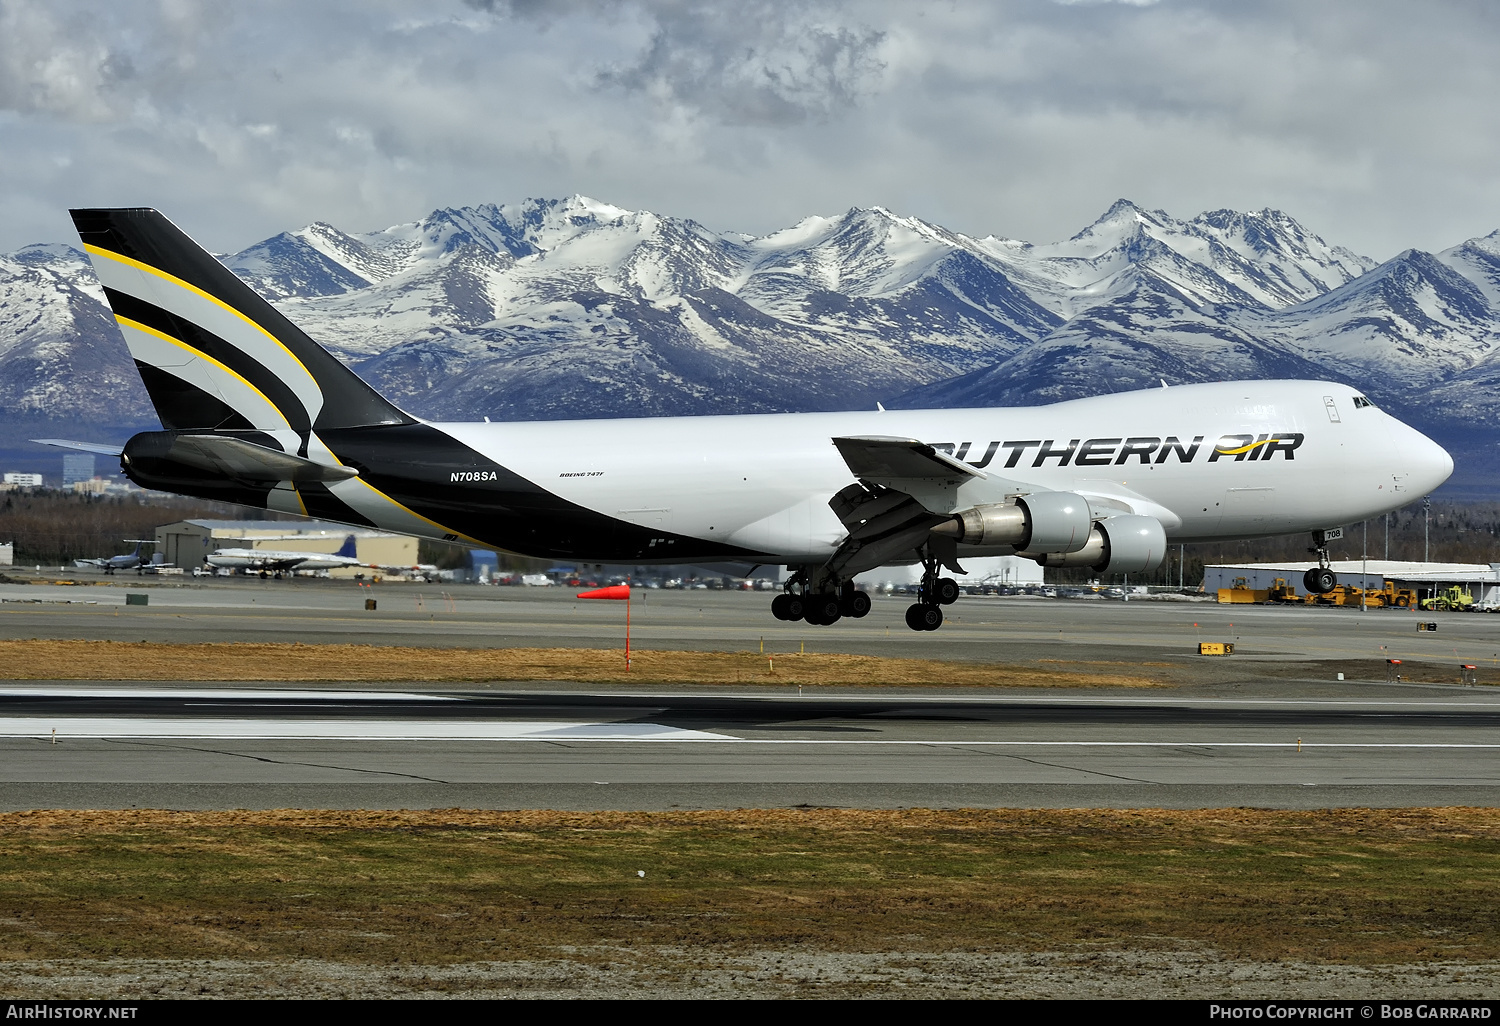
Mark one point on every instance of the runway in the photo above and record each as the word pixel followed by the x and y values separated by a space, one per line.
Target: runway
pixel 1275 744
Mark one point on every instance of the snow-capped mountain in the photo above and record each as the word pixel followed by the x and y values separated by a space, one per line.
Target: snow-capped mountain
pixel 577 308
pixel 1222 257
pixel 61 355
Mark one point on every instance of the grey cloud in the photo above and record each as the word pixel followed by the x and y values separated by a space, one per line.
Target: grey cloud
pixel 1372 122
pixel 759 62
pixel 753 63
pixel 48 66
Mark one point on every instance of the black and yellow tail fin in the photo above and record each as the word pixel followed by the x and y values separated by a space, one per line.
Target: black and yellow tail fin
pixel 212 353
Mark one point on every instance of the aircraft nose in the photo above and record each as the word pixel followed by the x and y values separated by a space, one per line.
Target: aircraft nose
pixel 1430 464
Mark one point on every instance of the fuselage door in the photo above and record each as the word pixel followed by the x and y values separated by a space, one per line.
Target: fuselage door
pixel 1332 408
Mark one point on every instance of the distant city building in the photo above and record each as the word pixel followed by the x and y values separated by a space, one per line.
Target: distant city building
pixel 91 486
pixel 7 553
pixel 77 466
pixel 24 480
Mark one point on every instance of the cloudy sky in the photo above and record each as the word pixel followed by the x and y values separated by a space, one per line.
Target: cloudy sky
pixel 1373 122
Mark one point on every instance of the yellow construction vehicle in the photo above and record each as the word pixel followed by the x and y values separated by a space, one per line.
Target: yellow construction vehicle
pixel 1450 599
pixel 1281 591
pixel 1401 598
pixel 1375 598
pixel 1239 591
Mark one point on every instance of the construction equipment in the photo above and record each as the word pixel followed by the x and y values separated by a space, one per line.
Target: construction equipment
pixel 1281 591
pixel 1456 598
pixel 1239 591
pixel 1374 598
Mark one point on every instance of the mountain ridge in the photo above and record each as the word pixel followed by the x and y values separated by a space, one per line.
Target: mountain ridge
pixel 554 308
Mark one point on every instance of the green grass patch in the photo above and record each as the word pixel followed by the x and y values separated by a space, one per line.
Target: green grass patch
pixel 432 887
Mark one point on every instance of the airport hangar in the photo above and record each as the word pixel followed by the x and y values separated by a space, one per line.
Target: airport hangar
pixel 186 542
pixel 1481 579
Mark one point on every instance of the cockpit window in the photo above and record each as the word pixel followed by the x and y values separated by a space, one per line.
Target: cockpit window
pixel 1360 402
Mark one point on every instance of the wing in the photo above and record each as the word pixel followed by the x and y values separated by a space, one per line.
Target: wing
pixel 1107 498
pixel 906 489
pixel 883 458
pixel 94 447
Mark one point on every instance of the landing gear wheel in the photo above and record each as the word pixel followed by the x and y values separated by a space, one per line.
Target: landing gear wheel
pixel 923 617
pixel 855 604
pixel 946 592
pixel 794 608
pixel 779 607
pixel 913 615
pixel 822 610
pixel 1320 580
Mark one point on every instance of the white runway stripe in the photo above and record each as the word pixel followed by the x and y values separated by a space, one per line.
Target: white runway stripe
pixel 213 694
pixel 338 729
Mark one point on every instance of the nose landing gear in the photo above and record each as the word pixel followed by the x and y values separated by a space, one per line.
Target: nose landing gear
pixel 1320 580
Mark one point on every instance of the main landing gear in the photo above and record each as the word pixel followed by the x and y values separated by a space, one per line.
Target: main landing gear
pixel 1320 580
pixel 926 614
pixel 821 607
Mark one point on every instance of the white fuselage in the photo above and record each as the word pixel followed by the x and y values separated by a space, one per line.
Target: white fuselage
pixel 763 483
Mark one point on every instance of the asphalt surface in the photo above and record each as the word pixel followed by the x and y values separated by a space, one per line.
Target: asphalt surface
pixel 991 629
pixel 1209 746
pixel 1227 735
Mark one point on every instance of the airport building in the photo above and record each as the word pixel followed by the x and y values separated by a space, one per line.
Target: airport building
pixel 1481 580
pixel 998 571
pixel 186 542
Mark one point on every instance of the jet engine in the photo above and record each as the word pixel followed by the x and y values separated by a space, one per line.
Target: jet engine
pixel 1123 544
pixel 1040 522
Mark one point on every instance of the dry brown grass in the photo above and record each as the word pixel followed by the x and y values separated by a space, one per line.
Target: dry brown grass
pixel 110 660
pixel 1366 886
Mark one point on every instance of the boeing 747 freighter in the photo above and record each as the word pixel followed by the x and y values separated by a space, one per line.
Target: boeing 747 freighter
pixel 255 412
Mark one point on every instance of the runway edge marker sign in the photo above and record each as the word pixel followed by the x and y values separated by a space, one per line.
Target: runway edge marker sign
pixel 615 591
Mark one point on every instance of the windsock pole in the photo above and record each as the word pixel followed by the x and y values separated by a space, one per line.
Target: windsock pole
pixel 615 591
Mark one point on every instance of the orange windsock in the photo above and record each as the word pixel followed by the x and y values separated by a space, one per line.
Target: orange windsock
pixel 614 591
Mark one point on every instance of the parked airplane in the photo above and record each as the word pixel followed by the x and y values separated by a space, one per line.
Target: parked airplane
pixel 127 561
pixel 255 412
pixel 268 560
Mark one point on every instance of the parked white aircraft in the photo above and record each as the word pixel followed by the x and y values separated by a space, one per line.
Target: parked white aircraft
pixel 279 561
pixel 257 413
pixel 290 560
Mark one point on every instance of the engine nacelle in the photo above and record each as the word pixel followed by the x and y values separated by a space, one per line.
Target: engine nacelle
pixel 1040 522
pixel 1126 544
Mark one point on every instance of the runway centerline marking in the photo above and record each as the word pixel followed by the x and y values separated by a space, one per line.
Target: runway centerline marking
pixel 331 729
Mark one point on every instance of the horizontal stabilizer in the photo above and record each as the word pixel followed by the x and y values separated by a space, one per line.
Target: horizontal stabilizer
pixel 94 447
pixel 881 457
pixel 246 461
